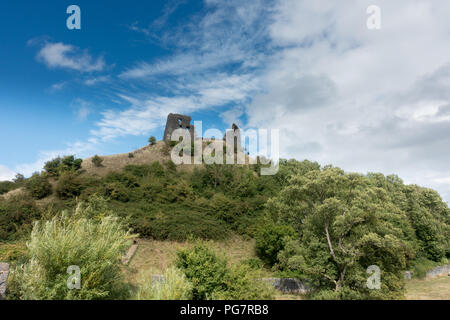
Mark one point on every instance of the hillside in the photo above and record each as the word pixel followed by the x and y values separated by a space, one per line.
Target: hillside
pixel 303 219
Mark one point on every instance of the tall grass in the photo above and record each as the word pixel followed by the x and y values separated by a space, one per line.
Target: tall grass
pixel 174 286
pixel 94 246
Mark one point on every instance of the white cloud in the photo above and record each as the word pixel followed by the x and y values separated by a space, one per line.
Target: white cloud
pixel 361 99
pixel 65 56
pixel 6 174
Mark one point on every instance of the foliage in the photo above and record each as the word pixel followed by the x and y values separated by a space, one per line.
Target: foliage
pixel 69 186
pixel 174 286
pixel 56 166
pixel 38 186
pixel 6 186
pixel 16 217
pixel 95 247
pixel 212 279
pixel 346 224
pixel 204 269
pixel 152 140
pixel 270 240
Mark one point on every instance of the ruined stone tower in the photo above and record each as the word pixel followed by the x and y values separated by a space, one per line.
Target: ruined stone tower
pixel 233 137
pixel 177 121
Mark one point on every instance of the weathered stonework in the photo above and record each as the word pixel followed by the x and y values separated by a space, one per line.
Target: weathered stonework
pixel 233 138
pixel 4 272
pixel 178 121
pixel 288 285
pixel 438 271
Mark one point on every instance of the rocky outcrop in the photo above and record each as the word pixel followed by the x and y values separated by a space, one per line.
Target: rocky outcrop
pixel 4 272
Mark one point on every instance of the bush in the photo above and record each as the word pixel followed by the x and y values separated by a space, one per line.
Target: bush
pixel 270 240
pixel 212 279
pixel 38 186
pixel 152 140
pixel 174 286
pixel 16 217
pixel 6 186
pixel 178 225
pixel 97 161
pixel 204 269
pixel 69 186
pixel 130 155
pixel 95 247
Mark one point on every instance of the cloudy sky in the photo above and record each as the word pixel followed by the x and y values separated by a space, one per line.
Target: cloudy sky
pixel 340 93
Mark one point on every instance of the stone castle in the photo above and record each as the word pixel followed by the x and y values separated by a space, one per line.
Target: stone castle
pixel 179 121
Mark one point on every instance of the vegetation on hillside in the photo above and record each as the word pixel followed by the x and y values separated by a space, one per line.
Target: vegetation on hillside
pixel 310 222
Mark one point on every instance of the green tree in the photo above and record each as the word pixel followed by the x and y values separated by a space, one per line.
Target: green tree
pixel 345 226
pixel 152 140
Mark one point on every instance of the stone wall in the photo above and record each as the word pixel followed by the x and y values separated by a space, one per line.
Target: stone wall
pixel 439 271
pixel 4 272
pixel 288 285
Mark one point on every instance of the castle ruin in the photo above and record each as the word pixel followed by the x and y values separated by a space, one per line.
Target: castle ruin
pixel 178 121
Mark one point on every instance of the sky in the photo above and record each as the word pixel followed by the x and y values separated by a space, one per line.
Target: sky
pixel 366 100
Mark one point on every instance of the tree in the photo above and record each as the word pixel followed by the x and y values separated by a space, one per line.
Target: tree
pixel 97 161
pixel 19 178
pixel 152 140
pixel 345 226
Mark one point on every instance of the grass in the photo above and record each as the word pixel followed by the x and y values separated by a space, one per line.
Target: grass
pixel 158 255
pixel 431 289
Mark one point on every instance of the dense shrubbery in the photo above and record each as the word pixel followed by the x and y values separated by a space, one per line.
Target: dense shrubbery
pixel 16 217
pixel 213 279
pixel 38 186
pixel 340 223
pixel 270 240
pixel 94 246
pixel 69 186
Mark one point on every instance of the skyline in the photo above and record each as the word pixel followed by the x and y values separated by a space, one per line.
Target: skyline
pixel 340 93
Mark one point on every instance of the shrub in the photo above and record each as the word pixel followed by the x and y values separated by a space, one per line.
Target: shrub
pixel 16 217
pixel 178 225
pixel 95 247
pixel 38 186
pixel 130 155
pixel 270 240
pixel 69 186
pixel 174 286
pixel 6 186
pixel 204 269
pixel 97 161
pixel 212 279
pixel 244 284
pixel 152 140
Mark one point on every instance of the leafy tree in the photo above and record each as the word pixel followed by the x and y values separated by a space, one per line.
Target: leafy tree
pixel 19 178
pixel 345 226
pixel 152 140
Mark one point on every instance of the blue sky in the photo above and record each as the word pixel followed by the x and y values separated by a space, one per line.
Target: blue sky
pixel 364 100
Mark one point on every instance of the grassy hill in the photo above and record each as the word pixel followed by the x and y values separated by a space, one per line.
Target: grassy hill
pixel 307 221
